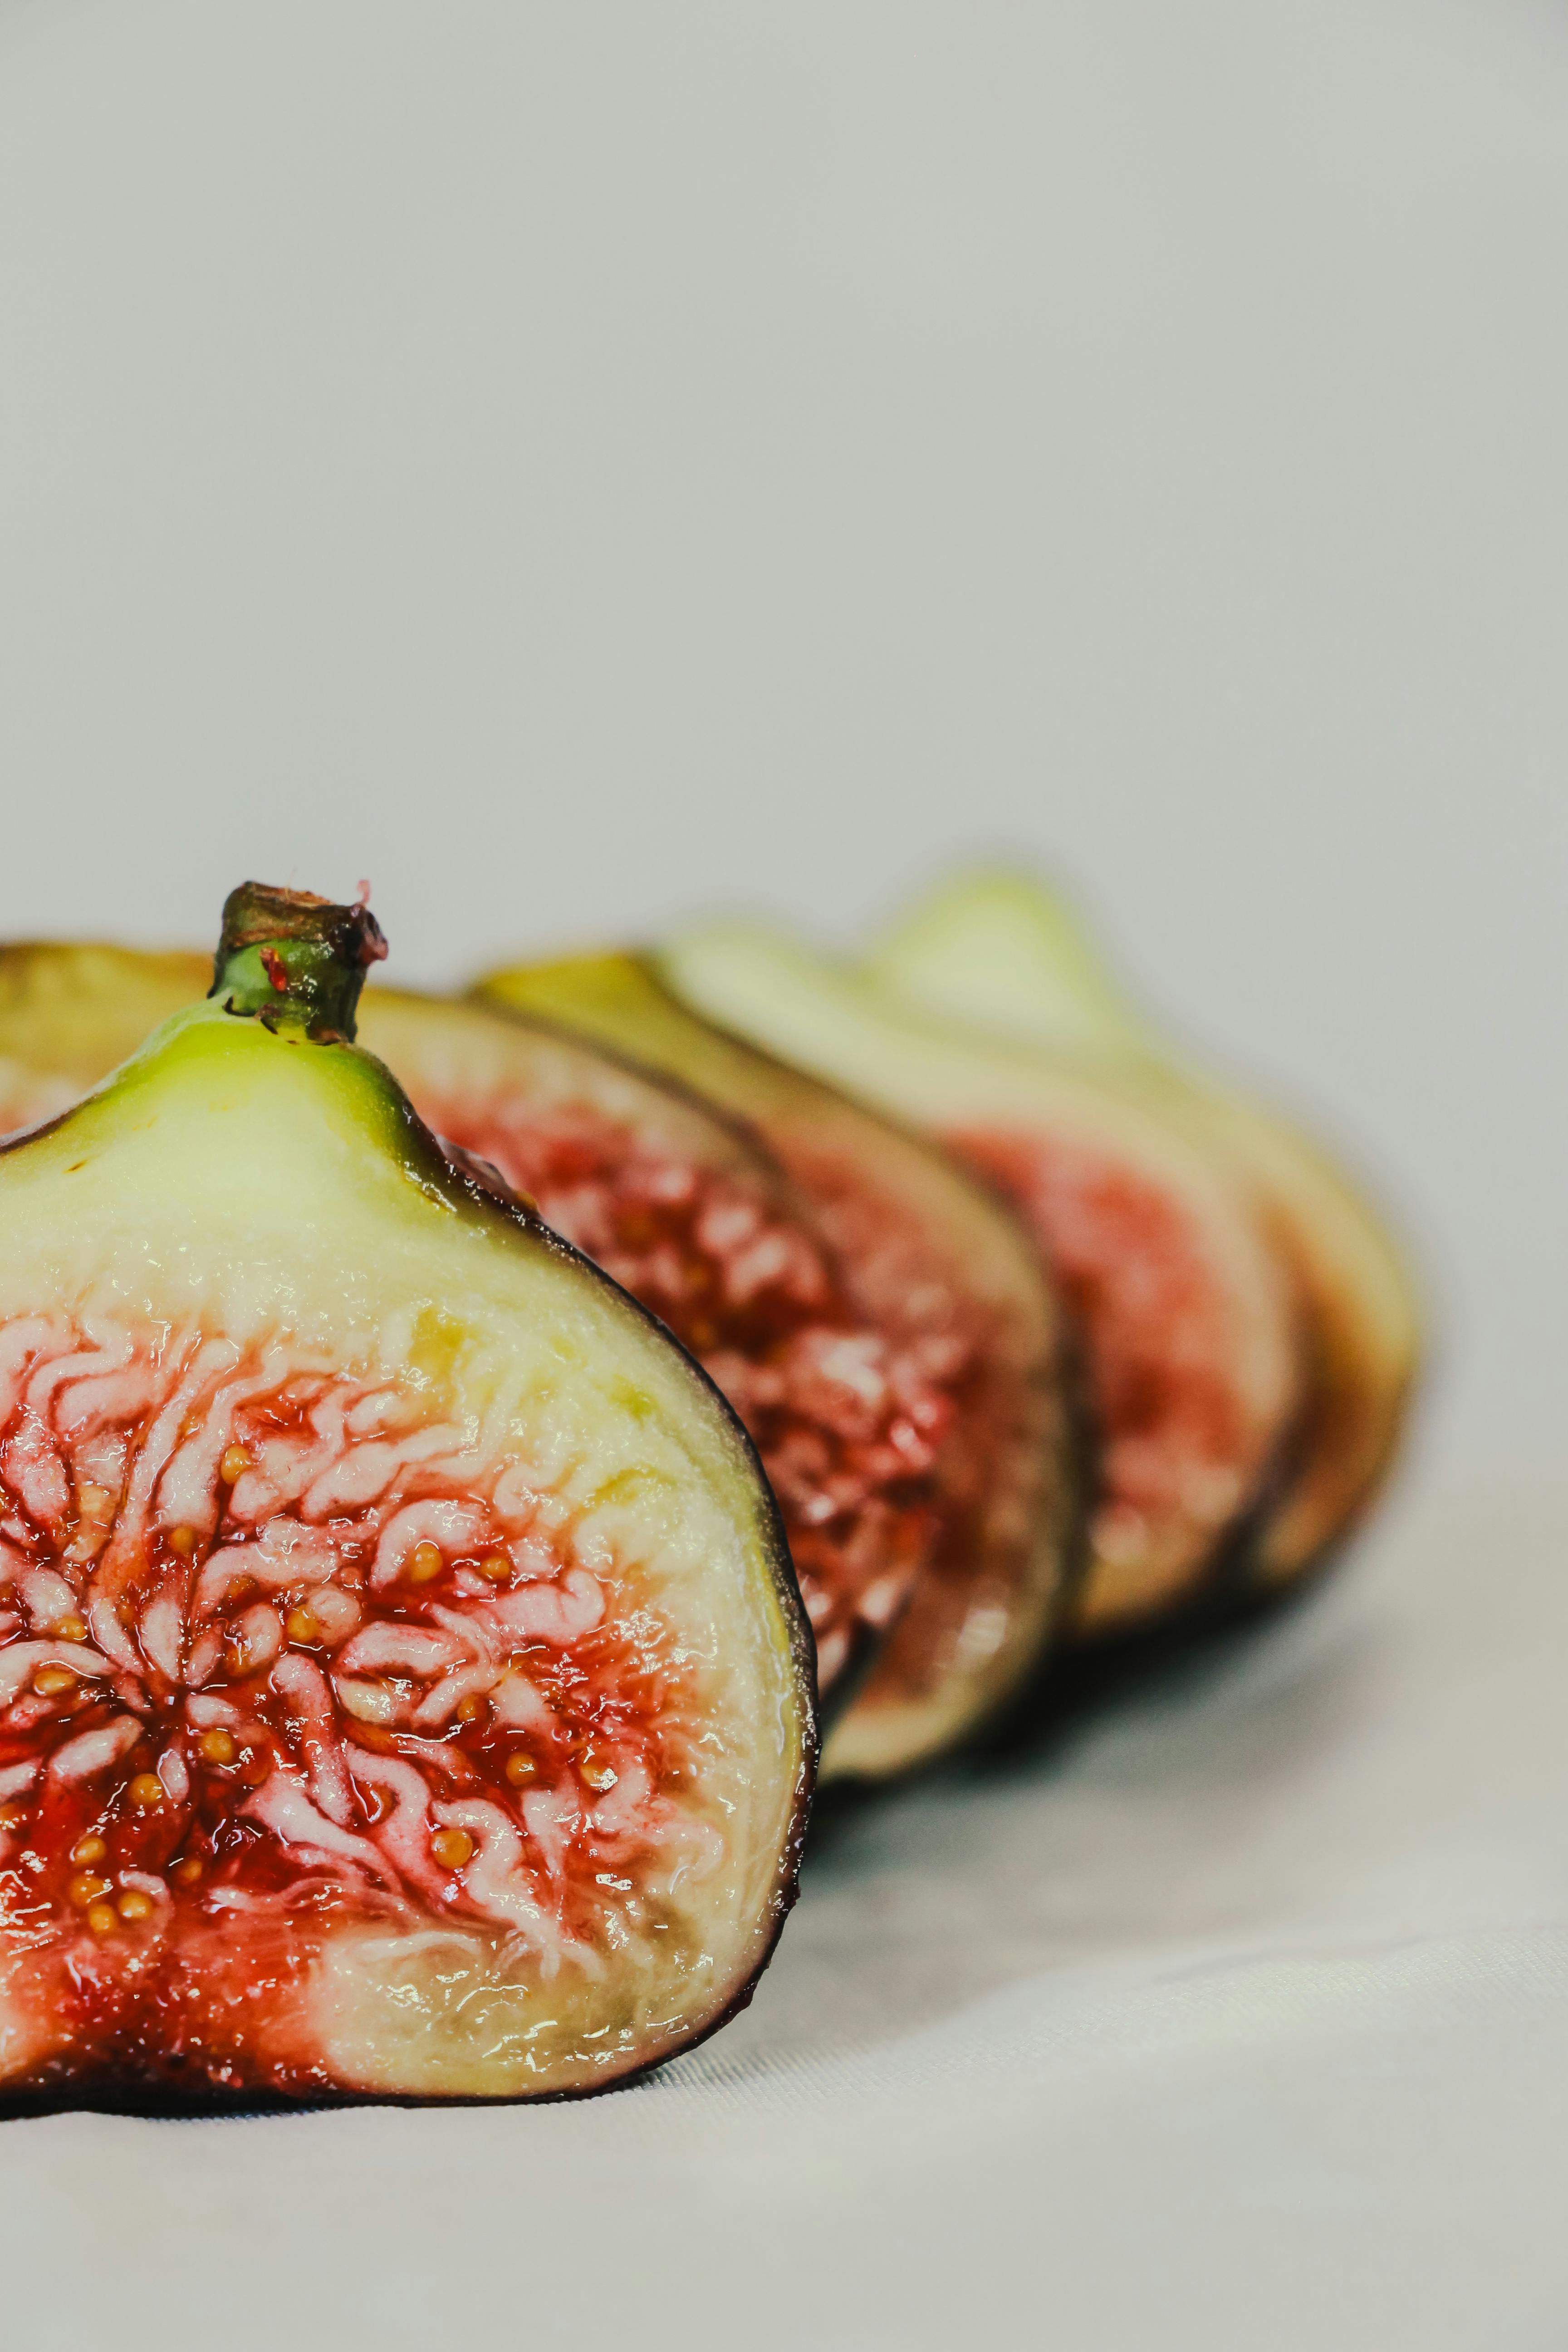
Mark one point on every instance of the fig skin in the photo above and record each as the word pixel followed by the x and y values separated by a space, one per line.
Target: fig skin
pixel 1005 951
pixel 1187 1322
pixel 252 1172
pixel 977 1627
pixel 69 1012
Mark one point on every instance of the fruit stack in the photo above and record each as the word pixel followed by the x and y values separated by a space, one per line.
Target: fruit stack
pixel 454 1455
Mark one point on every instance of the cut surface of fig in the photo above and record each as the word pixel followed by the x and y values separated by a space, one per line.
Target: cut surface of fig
pixel 1187 1322
pixel 403 1687
pixel 946 1272
pixel 692 1216
pixel 685 1208
pixel 1005 952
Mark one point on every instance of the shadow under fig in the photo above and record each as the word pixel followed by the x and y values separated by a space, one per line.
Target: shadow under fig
pixel 921 1893
pixel 1078 1685
pixel 1142 1795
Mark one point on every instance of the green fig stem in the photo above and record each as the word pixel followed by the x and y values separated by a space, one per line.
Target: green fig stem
pixel 293 961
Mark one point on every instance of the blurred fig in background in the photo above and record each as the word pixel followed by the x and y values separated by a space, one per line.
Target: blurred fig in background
pixel 953 1281
pixel 1160 1241
pixel 1007 953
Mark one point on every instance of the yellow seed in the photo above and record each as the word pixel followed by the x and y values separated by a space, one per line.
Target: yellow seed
pixel 134 1905
pixel 72 1629
pixel 498 1568
pixel 96 1502
pixel 425 1562
pixel 234 1465
pixel 50 1681
pixel 520 1767
pixel 12 1816
pixel 187 1870
pixel 452 1848
pixel 145 1791
pixel 86 1888
pixel 596 1772
pixel 101 1919
pixel 217 1746
pixel 301 1626
pixel 470 1708
pixel 182 1540
pixel 90 1848
pixel 254 1769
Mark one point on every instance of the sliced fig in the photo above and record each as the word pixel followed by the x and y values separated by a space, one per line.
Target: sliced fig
pixel 946 1274
pixel 1008 953
pixel 1186 1317
pixel 850 1402
pixel 404 1689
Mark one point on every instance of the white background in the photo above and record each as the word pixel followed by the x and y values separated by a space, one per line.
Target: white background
pixel 581 465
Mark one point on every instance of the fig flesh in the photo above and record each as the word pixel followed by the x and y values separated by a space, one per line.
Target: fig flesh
pixel 950 1276
pixel 1008 953
pixel 1186 1318
pixel 684 1207
pixel 403 1690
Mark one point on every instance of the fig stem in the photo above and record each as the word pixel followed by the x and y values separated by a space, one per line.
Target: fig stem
pixel 294 961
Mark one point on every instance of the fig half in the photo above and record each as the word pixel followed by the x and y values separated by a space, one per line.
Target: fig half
pixel 404 1689
pixel 1188 1320
pixel 947 1273
pixel 851 1398
pixel 1008 953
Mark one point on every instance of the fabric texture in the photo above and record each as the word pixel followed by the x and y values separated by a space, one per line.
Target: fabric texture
pixel 1229 2009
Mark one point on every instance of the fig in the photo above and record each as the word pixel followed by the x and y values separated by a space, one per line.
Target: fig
pixel 1008 953
pixel 404 1688
pixel 1186 1318
pixel 849 1399
pixel 952 1282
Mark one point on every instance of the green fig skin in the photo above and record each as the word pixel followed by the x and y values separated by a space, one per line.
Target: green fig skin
pixel 1011 1555
pixel 1187 1323
pixel 405 1691
pixel 1004 951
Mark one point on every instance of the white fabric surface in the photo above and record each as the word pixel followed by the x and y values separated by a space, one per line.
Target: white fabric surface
pixel 1237 2014
pixel 580 463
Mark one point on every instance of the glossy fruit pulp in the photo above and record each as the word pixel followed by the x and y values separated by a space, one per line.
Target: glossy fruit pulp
pixel 279 1652
pixel 849 1417
pixel 1182 1445
pixel 993 1481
